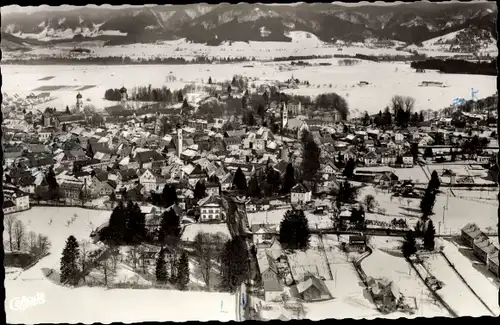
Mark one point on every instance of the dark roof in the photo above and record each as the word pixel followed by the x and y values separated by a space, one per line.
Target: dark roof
pixel 71 118
pixel 148 156
pixel 118 110
pixel 8 204
pixel 299 188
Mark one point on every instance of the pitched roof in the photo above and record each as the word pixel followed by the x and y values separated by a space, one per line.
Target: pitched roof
pixel 148 156
pixel 299 188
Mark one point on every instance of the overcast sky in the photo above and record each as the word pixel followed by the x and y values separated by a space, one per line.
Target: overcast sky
pixel 29 9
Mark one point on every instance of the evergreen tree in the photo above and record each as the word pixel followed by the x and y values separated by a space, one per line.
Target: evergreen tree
pixel 136 224
pixel 69 262
pixel 273 181
pixel 239 180
pixel 347 193
pixel 366 119
pixel 209 80
pixel 117 224
pixel 161 268
pixel 53 185
pixel 428 153
pixel 358 217
pixel 429 234
pixel 234 264
pixel 229 90
pixel 409 246
pixel 289 180
pixel 253 187
pixel 67 110
pixel 427 202
pixel 348 171
pixel 170 226
pixel 421 117
pixel 294 230
pixel 169 195
pixel 182 278
pixel 434 182
pixel 387 117
pixel 200 190
pixel 180 98
pixel 310 157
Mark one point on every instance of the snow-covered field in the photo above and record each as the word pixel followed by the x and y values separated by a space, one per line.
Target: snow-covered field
pixel 88 305
pixel 483 283
pixel 386 80
pixel 274 217
pixel 459 211
pixel 191 230
pixel 454 291
pixel 393 267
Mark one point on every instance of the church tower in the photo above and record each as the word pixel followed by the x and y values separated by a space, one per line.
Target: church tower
pixel 284 116
pixel 79 103
pixel 179 141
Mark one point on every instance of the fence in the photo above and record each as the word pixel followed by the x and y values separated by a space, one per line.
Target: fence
pixel 69 205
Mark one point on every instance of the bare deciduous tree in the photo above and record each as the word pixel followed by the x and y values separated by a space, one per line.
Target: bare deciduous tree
pixel 402 103
pixel 43 244
pixel 19 233
pixel 84 254
pixel 10 220
pixel 32 242
pixel 134 256
pixel 207 249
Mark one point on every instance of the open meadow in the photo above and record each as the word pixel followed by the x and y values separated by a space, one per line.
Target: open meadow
pixel 385 80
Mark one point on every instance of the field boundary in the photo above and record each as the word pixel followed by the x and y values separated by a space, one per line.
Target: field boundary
pixel 434 293
pixel 465 282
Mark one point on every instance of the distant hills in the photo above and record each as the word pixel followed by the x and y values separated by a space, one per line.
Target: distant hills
pixel 411 23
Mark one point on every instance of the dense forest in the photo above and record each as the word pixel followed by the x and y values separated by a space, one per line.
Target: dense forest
pixel 147 94
pixel 458 66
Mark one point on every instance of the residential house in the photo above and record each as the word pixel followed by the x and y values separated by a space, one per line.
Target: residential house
pixel 493 264
pixel 196 174
pixel 312 288
pixel 211 209
pixel 232 143
pixel 9 207
pixel 273 287
pixel 482 247
pixel 300 194
pixel 407 159
pixel 370 159
pixel 469 233
pixel 71 190
pixel 151 181
pixel 212 188
pixel 150 160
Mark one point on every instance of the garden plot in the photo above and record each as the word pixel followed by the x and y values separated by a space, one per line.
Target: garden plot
pixel 479 278
pixel 274 217
pixel 383 265
pixel 455 292
pixel 312 260
pixel 191 230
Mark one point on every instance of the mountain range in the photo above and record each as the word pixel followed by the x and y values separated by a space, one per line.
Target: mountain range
pixel 411 23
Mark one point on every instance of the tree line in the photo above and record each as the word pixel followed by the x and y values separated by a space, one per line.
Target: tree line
pixel 147 94
pixel 20 239
pixel 458 66
pixel 120 60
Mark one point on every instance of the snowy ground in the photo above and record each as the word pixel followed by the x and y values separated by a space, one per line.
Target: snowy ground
pixel 386 80
pixel 459 211
pixel 128 305
pixel 274 217
pixel 191 230
pixel 456 294
pixel 476 274
pixel 391 265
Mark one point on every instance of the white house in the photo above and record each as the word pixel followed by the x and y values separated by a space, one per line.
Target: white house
pixel 210 209
pixel 300 194
pixel 150 181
